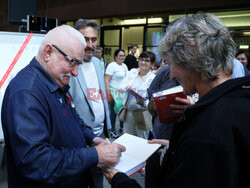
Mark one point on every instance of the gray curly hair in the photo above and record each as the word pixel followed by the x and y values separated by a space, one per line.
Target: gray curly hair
pixel 200 43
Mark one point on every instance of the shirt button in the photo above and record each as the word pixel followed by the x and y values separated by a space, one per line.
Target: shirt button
pixel 172 152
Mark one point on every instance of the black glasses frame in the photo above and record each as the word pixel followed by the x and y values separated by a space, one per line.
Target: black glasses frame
pixel 72 61
pixel 145 60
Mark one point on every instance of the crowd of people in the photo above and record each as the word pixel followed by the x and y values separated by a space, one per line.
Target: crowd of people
pixel 58 111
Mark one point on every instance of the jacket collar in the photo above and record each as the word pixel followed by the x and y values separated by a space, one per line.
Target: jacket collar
pixel 237 87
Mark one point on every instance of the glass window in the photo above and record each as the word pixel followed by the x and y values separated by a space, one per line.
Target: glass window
pixel 154 35
pixel 109 53
pixel 111 37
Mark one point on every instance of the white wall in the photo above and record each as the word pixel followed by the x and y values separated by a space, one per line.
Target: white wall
pixel 10 44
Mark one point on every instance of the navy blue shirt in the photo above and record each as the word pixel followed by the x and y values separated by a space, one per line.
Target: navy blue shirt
pixel 45 138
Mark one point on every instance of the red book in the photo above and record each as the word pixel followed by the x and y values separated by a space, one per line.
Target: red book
pixel 163 100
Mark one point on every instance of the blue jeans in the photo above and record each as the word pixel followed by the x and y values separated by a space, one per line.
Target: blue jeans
pixel 113 118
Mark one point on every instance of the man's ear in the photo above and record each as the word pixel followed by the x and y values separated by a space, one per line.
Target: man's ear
pixel 47 52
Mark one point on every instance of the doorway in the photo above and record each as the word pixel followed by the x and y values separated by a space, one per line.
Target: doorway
pixel 110 40
pixel 145 36
pixel 123 37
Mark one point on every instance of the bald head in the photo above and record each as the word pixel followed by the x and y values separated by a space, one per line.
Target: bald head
pixel 60 53
pixel 62 36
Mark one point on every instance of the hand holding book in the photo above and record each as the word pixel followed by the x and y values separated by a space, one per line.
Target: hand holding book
pixel 170 104
pixel 182 104
pixel 138 150
pixel 164 99
pixel 140 96
pixel 108 173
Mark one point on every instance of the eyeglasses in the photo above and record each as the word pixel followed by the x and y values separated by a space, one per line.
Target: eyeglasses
pixel 145 60
pixel 72 61
pixel 122 55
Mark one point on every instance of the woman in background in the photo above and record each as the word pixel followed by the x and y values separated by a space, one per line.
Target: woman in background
pixel 139 79
pixel 114 75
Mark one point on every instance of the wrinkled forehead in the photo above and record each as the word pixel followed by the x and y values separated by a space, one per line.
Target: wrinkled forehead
pixel 89 32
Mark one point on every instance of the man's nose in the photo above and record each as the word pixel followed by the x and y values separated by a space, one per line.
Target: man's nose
pixel 74 71
pixel 90 44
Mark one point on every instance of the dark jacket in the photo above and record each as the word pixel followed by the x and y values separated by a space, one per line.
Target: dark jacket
pixel 210 147
pixel 131 62
pixel 45 138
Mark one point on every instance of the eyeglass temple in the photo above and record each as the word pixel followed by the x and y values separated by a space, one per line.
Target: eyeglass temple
pixel 69 58
pixel 60 51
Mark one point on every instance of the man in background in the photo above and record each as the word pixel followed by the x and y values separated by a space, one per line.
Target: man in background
pixel 130 60
pixel 98 53
pixel 88 90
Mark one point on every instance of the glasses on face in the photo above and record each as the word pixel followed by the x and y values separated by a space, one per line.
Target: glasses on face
pixel 121 55
pixel 72 61
pixel 145 60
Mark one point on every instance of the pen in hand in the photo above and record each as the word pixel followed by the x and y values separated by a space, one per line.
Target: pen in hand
pixel 107 140
pixel 151 135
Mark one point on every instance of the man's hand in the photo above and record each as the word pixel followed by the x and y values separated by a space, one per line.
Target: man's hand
pixel 97 140
pixel 110 98
pixel 179 108
pixel 109 153
pixel 163 142
pixel 128 87
pixel 140 101
pixel 108 173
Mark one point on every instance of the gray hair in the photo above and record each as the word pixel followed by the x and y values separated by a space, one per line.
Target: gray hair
pixel 99 48
pixel 200 43
pixel 82 23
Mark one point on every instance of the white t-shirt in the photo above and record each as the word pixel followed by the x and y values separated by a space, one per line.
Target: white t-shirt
pixel 139 84
pixel 118 73
pixel 91 79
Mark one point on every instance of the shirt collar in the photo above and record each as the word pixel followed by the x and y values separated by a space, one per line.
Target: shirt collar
pixel 145 76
